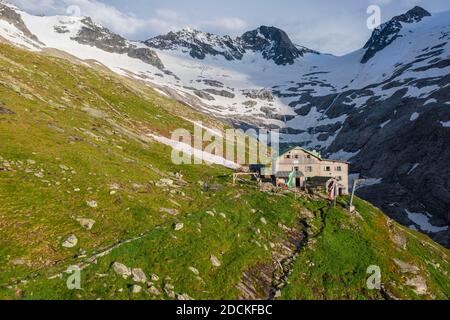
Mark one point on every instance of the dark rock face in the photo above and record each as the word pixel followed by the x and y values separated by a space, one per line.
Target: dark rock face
pixel 199 44
pixel 100 37
pixel 273 43
pixel 212 83
pixel 222 93
pixel 262 94
pixel 410 155
pixel 385 34
pixel 11 16
pixel 204 95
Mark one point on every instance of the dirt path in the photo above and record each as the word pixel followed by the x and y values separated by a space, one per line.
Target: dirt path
pixel 265 281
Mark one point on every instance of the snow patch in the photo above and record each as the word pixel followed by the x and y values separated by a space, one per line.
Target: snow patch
pixel 414 116
pixel 371 182
pixel 414 167
pixel 423 221
pixel 430 101
pixel 184 147
pixel 385 124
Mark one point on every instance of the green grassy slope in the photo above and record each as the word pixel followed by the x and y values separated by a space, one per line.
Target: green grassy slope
pixel 72 137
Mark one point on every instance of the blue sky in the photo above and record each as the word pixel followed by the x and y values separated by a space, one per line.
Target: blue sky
pixel 336 27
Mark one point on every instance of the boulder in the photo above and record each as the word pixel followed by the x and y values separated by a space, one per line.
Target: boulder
pixel 139 275
pixel 154 291
pixel 136 289
pixel 86 223
pixel 92 203
pixel 215 262
pixel 70 242
pixel 194 271
pixel 121 269
pixel 178 226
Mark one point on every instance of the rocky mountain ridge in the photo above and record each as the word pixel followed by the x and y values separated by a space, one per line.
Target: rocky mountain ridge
pixel 273 43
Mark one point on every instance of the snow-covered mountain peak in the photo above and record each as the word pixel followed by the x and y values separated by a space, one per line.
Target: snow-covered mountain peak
pixel 199 44
pixel 385 34
pixel 416 14
pixel 274 44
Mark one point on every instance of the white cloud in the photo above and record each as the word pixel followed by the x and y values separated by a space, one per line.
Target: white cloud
pixel 327 26
pixel 124 23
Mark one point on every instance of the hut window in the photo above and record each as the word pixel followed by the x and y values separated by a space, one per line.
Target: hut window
pixel 339 169
pixel 309 169
pixel 328 169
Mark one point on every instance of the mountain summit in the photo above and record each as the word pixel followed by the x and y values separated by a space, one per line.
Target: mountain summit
pixel 385 34
pixel 273 43
pixel 198 43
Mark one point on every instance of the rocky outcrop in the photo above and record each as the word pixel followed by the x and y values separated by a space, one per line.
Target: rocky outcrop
pixel 273 43
pixel 222 93
pixel 262 94
pixel 100 37
pixel 10 15
pixel 198 43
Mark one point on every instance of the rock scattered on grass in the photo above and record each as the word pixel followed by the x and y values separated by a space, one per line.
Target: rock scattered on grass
pixel 168 289
pixel 121 269
pixel 215 262
pixel 154 277
pixel 164 183
pixel 172 212
pixel 183 296
pixel 70 242
pixel 406 267
pixel 178 226
pixel 139 275
pixel 92 203
pixel 263 220
pixel 86 223
pixel 39 174
pixel 136 289
pixel 419 284
pixel 194 271
pixel 154 291
pixel 64 167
